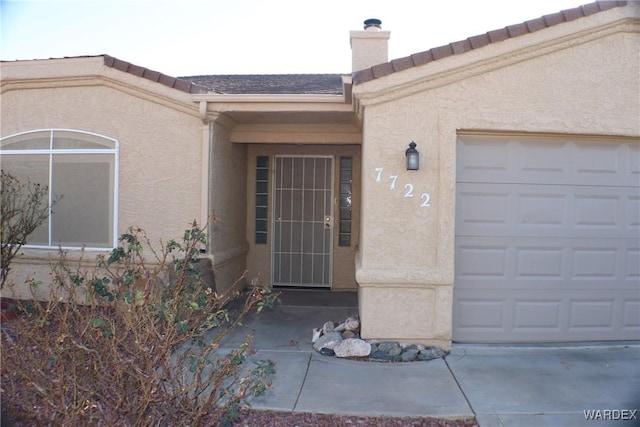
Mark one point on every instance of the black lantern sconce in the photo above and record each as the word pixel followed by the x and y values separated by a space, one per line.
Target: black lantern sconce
pixel 413 157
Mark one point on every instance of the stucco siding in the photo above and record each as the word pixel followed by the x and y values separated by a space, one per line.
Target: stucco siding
pixel 228 204
pixel 581 85
pixel 160 147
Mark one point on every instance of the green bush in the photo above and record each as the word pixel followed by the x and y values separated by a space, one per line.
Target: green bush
pixel 121 345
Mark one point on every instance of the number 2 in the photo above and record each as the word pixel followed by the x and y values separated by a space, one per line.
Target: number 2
pixel 427 198
pixel 409 192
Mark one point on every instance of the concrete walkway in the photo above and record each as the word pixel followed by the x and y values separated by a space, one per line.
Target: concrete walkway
pixel 541 385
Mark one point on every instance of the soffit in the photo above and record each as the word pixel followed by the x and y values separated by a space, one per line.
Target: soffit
pixel 291 117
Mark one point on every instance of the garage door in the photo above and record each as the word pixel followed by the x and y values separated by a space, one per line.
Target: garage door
pixel 547 239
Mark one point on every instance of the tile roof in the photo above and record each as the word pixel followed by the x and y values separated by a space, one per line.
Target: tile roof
pixel 330 84
pixel 481 40
pixel 176 83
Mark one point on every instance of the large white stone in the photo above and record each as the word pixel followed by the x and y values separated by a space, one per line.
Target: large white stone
pixel 352 347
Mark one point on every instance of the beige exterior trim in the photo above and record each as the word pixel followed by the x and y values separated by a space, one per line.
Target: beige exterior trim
pixel 297 134
pixel 204 175
pixel 90 72
pixel 550 135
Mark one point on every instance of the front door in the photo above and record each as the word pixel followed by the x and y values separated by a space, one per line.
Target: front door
pixel 302 221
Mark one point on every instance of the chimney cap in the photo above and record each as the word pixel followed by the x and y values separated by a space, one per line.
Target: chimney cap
pixel 372 24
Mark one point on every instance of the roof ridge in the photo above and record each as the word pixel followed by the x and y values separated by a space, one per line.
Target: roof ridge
pixel 482 40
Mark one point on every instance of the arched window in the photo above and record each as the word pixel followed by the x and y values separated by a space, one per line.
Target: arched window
pixel 82 168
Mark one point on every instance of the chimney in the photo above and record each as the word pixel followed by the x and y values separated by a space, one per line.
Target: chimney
pixel 369 47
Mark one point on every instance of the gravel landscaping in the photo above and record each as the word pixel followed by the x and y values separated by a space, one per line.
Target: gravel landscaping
pixel 255 418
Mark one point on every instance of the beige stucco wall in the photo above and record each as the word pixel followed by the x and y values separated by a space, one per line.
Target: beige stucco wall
pixel 576 78
pixel 227 195
pixel 158 129
pixel 259 256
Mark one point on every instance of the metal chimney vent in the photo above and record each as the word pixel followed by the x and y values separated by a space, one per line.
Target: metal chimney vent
pixel 373 24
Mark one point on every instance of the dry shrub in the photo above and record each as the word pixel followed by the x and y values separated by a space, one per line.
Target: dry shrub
pixel 120 345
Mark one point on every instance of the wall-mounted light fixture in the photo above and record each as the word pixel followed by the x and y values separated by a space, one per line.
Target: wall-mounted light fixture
pixel 413 157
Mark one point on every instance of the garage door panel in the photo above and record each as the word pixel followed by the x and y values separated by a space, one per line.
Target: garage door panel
pixel 473 313
pixel 545 263
pixel 550 160
pixel 591 314
pixel 479 207
pixel 522 160
pixel 526 315
pixel 632 265
pixel 535 263
pixel 633 160
pixel 594 263
pixel 547 239
pixel 595 159
pixel 544 210
pixel 534 314
pixel 482 158
pixel 633 212
pixel 631 315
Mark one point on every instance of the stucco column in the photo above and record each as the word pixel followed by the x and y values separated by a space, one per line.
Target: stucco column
pixel 405 265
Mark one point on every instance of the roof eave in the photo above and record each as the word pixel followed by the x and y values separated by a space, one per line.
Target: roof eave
pixel 269 98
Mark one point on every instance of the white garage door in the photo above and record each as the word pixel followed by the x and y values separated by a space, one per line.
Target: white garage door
pixel 547 239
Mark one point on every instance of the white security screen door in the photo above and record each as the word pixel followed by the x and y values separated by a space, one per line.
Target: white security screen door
pixel 302 221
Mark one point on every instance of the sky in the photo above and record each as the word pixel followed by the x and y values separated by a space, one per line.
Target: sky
pixel 196 37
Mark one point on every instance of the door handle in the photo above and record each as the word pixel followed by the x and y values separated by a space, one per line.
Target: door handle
pixel 328 221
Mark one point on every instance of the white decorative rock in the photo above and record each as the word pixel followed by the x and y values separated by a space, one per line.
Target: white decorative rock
pixel 316 334
pixel 352 324
pixel 339 328
pixel 349 334
pixel 352 347
pixel 329 340
pixel 328 327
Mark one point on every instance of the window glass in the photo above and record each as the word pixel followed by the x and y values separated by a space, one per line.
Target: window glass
pixel 346 172
pixel 262 192
pixel 81 171
pixel 83 215
pixel 34 170
pixel 27 141
pixel 65 140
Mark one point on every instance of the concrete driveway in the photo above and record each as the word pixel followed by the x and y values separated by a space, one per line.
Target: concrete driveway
pixel 595 384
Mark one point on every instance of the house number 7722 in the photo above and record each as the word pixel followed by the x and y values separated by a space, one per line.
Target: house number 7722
pixel 408 187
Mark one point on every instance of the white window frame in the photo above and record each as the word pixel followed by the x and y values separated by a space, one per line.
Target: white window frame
pixel 63 151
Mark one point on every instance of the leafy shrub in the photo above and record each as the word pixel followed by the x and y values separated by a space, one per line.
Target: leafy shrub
pixel 122 345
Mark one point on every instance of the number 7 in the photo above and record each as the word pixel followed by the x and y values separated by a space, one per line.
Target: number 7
pixel 378 174
pixel 393 181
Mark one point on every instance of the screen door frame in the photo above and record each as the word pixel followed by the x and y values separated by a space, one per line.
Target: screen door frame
pixel 276 245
